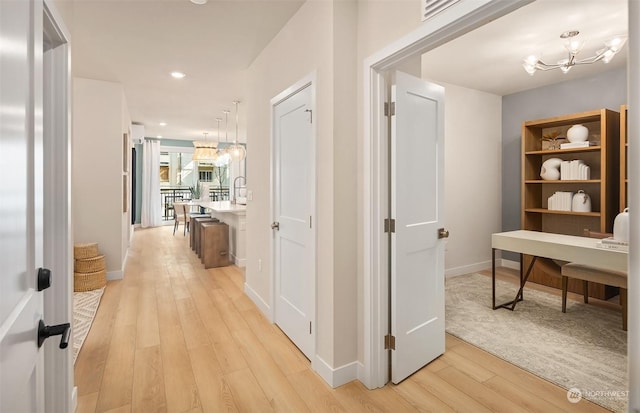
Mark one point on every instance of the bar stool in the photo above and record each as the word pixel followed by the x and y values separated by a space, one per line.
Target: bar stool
pixel 195 232
pixel 214 244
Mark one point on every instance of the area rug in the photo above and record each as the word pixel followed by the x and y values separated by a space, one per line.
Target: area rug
pixel 584 348
pixel 85 306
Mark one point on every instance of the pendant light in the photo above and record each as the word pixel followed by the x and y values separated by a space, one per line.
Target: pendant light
pixel 238 152
pixel 204 150
pixel 223 155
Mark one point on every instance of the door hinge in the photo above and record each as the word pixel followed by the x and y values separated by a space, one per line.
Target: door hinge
pixel 389 225
pixel 310 221
pixel 309 327
pixel 389 342
pixel 389 108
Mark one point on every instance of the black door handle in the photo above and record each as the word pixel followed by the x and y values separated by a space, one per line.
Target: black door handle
pixel 44 279
pixel 44 332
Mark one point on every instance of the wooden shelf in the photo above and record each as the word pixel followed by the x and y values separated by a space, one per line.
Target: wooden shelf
pixel 561 151
pixel 555 212
pixel 604 163
pixel 563 181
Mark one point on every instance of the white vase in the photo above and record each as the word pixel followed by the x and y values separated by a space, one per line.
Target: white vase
pixel 621 226
pixel 550 170
pixel 578 133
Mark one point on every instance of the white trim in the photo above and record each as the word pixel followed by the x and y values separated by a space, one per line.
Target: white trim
pixel 467 269
pixel 115 275
pixel 451 23
pixel 239 262
pixel 310 81
pixel 60 392
pixel 259 302
pixel 633 132
pixel 514 265
pixel 174 149
pixel 338 376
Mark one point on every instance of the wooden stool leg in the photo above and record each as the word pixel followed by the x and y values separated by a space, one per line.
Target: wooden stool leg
pixel 565 282
pixel 585 291
pixel 623 302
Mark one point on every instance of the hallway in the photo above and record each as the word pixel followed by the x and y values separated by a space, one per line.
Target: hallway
pixel 174 337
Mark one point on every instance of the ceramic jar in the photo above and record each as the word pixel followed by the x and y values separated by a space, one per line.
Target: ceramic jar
pixel 581 202
pixel 621 226
pixel 578 133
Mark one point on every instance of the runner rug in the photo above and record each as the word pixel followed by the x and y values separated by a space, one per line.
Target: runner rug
pixel 85 306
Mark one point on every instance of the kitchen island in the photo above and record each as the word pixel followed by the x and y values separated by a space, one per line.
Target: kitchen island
pixel 234 215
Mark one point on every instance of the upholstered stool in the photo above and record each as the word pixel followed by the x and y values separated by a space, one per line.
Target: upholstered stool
pixel 214 244
pixel 195 232
pixel 607 277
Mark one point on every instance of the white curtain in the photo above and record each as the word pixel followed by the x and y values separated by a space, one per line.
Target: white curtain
pixel 151 208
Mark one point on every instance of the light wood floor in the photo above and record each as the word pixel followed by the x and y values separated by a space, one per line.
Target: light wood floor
pixel 174 337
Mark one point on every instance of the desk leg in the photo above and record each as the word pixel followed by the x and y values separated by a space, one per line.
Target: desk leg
pixel 493 278
pixel 522 283
pixel 521 276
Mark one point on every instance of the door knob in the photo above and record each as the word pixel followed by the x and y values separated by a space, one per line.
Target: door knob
pixel 276 226
pixel 44 332
pixel 44 279
pixel 443 233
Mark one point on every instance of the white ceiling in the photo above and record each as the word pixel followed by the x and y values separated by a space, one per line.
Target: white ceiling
pixel 490 57
pixel 139 42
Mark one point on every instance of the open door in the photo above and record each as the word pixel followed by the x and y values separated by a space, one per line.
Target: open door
pixel 417 252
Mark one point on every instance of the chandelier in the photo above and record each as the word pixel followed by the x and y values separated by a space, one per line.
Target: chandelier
pixel 574 45
pixel 204 150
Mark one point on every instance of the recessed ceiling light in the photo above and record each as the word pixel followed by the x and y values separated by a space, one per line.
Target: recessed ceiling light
pixel 178 75
pixel 199 2
pixel 163 123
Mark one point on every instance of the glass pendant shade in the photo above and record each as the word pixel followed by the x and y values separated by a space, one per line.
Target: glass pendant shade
pixel 236 151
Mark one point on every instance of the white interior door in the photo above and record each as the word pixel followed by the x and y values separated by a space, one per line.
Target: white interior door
pixel 417 253
pixel 21 305
pixel 294 246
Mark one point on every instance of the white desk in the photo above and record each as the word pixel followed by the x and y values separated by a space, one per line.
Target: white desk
pixel 233 215
pixel 581 250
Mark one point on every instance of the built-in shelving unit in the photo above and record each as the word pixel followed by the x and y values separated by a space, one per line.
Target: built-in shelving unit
pixel 603 188
pixel 624 144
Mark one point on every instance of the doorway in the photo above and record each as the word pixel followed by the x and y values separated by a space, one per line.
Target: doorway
pixel 451 24
pixel 293 212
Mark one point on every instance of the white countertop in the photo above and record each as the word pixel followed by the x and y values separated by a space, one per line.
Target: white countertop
pixel 223 206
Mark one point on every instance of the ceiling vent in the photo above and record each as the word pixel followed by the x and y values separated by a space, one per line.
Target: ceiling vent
pixel 432 7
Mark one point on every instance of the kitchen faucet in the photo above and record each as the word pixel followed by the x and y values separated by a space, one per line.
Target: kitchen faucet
pixel 235 193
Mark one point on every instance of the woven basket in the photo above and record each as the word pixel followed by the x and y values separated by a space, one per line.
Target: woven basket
pixel 82 251
pixel 89 281
pixel 90 264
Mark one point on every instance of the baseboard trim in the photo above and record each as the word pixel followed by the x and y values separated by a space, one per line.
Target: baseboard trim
pixel 338 376
pixel 115 275
pixel 514 265
pixel 259 302
pixel 467 269
pixel 74 399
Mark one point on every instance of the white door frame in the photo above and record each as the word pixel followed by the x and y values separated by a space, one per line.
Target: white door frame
pixel 60 393
pixel 310 81
pixel 451 23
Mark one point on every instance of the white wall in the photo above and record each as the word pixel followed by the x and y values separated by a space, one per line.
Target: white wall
pixel 472 177
pixel 300 48
pixel 99 120
pixel 319 38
